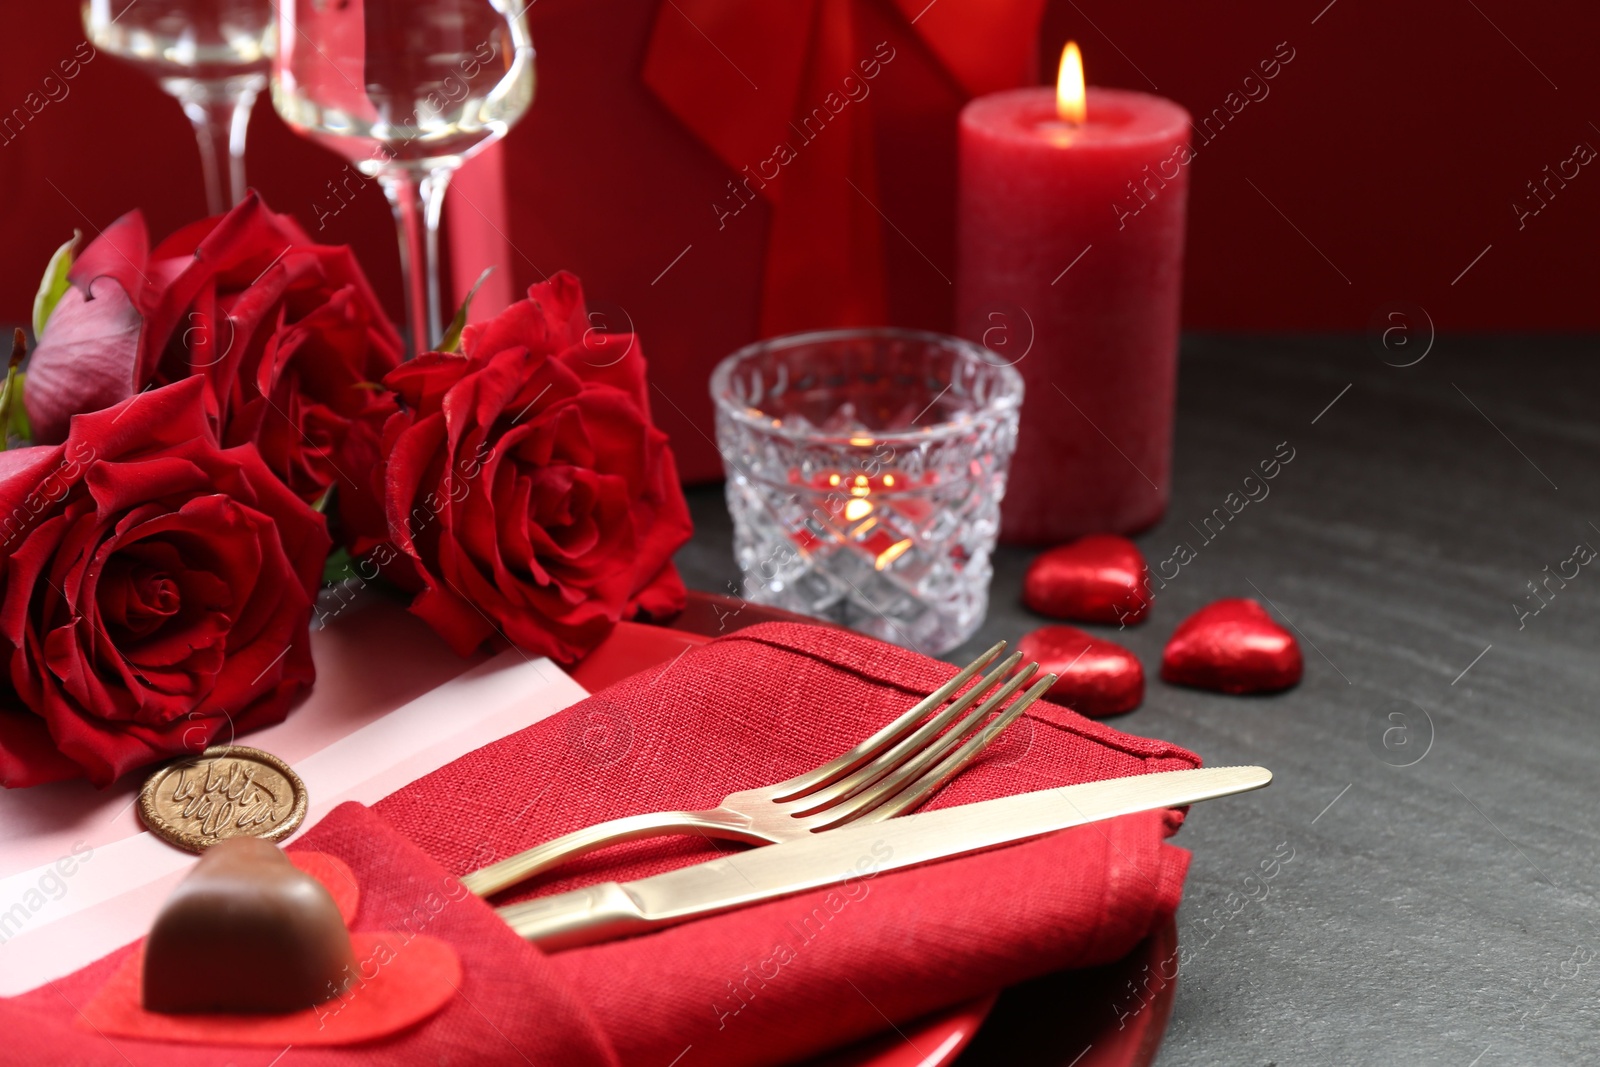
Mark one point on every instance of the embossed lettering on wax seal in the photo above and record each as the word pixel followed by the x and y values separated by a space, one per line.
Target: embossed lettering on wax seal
pixel 226 791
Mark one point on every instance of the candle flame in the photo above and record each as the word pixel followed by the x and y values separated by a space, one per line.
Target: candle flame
pixel 890 554
pixel 1071 99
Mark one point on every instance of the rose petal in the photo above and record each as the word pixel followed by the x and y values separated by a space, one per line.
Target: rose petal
pixel 28 754
pixel 87 359
pixel 120 253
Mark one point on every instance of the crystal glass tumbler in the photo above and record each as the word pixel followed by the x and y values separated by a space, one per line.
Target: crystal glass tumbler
pixel 865 472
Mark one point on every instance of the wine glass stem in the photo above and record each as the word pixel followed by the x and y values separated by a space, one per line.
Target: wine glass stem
pixel 417 199
pixel 221 117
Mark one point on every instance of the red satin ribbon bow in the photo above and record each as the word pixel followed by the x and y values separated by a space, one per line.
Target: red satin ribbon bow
pixel 777 90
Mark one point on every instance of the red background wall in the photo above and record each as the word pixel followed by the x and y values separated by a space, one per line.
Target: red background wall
pixel 1386 157
pixel 1396 142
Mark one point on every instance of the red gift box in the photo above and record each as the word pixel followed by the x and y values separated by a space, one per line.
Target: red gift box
pixel 717 171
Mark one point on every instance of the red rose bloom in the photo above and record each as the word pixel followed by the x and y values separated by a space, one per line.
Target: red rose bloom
pixel 155 591
pixel 288 333
pixel 526 484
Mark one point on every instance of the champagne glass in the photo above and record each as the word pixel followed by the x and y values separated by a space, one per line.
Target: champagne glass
pixel 212 55
pixel 407 90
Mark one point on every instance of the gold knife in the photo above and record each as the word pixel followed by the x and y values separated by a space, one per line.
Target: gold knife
pixel 860 850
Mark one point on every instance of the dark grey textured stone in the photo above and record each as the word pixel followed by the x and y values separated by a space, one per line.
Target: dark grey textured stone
pixel 1442 912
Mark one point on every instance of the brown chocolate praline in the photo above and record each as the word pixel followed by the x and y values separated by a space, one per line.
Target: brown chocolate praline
pixel 246 931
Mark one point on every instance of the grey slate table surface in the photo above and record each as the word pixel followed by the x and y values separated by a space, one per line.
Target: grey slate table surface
pixel 1443 902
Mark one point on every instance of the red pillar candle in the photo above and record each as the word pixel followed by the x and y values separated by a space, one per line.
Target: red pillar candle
pixel 1070 262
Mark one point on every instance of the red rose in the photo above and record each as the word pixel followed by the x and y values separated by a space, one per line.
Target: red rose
pixel 288 332
pixel 526 484
pixel 155 591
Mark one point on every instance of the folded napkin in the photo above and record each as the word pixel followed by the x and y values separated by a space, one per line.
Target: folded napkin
pixel 510 1004
pixel 765 985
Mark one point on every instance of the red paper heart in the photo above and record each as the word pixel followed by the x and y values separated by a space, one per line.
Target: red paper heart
pixel 1098 578
pixel 1095 677
pixel 1232 646
pixel 401 978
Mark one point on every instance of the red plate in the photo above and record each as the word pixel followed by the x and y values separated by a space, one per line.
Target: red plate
pixel 1108 1027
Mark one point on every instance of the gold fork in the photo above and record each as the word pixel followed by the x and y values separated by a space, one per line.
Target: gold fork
pixel 886 775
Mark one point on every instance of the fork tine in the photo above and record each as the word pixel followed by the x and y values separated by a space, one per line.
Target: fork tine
pixel 843 764
pixel 868 799
pixel 930 783
pixel 908 747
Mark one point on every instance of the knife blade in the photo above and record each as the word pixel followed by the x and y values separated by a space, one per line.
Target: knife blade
pixel 859 850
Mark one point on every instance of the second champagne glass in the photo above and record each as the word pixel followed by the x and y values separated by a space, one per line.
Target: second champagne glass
pixel 407 90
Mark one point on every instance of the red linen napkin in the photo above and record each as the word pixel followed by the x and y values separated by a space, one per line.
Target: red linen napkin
pixel 766 985
pixel 510 1003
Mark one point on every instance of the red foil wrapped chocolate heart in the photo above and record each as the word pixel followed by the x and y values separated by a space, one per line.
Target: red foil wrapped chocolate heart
pixel 1232 646
pixel 1098 578
pixel 1095 677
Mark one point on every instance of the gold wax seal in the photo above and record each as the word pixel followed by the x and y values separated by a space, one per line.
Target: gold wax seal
pixel 226 791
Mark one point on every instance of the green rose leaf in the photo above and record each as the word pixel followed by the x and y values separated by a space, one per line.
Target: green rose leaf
pixel 13 419
pixel 53 284
pixel 338 567
pixel 452 337
pixel 16 425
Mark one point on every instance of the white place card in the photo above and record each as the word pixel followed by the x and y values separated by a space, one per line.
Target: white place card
pixel 79 875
